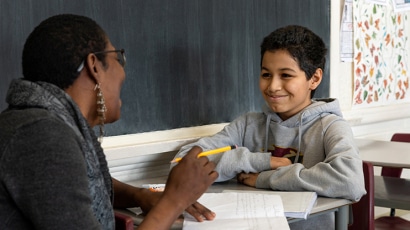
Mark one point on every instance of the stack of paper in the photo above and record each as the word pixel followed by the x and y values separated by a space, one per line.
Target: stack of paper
pixel 241 211
pixel 297 204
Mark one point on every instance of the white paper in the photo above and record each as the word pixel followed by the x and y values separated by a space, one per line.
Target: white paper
pixel 401 5
pixel 240 211
pixel 297 204
pixel 346 33
pixel 378 2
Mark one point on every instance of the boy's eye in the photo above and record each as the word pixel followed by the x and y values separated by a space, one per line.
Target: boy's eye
pixel 265 75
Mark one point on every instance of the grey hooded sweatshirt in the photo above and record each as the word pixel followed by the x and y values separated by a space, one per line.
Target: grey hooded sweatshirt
pixel 318 140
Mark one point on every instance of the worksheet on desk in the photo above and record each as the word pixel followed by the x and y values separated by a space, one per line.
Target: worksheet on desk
pixel 240 211
pixel 298 204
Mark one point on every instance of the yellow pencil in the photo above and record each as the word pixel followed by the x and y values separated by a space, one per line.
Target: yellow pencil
pixel 210 152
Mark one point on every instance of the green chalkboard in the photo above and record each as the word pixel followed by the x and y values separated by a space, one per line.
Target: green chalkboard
pixel 189 62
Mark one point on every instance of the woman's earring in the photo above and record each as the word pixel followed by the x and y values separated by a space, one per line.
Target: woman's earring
pixel 101 109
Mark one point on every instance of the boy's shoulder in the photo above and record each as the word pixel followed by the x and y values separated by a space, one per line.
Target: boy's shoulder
pixel 249 118
pixel 252 116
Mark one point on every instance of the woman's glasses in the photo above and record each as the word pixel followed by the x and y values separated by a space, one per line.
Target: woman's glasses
pixel 120 57
pixel 120 53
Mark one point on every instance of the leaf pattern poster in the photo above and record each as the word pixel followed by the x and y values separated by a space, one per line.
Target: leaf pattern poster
pixel 381 54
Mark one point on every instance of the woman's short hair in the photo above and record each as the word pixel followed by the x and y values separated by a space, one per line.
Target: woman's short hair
pixel 58 45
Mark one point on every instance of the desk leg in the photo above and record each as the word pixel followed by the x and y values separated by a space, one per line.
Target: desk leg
pixel 342 218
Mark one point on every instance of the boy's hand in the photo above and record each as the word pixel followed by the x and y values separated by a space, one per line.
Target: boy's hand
pixel 276 162
pixel 247 178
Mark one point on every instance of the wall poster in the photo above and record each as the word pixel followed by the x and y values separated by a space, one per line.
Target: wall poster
pixel 381 54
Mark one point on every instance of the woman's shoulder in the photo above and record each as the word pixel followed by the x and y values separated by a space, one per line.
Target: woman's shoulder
pixel 33 124
pixel 20 117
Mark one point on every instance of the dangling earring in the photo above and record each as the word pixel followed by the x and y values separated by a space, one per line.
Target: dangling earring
pixel 101 110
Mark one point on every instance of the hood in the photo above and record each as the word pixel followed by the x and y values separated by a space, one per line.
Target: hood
pixel 319 107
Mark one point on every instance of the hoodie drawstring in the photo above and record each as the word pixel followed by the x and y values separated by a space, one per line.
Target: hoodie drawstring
pixel 267 132
pixel 299 137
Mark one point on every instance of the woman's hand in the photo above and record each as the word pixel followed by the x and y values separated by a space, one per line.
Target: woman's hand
pixel 187 181
pixel 190 178
pixel 200 212
pixel 197 210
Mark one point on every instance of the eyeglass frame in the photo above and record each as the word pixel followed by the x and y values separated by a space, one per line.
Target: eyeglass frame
pixel 122 60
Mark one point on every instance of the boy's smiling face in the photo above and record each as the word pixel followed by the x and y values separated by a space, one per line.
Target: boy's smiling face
pixel 284 85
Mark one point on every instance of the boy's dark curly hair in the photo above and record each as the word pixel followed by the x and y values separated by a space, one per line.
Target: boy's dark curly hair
pixel 58 45
pixel 307 48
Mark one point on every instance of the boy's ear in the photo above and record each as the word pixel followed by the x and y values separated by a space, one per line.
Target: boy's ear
pixel 316 79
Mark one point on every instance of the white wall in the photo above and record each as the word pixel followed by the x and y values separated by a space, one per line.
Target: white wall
pixel 376 123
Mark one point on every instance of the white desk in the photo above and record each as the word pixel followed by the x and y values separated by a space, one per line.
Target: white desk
pixel 392 192
pixel 388 192
pixel 323 205
pixel 384 153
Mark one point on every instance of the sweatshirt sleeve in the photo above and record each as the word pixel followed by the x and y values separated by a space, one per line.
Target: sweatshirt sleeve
pixel 235 161
pixel 47 177
pixel 339 175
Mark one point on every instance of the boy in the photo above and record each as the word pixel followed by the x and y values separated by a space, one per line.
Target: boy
pixel 296 143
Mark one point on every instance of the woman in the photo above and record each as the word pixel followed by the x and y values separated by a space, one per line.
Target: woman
pixel 53 170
